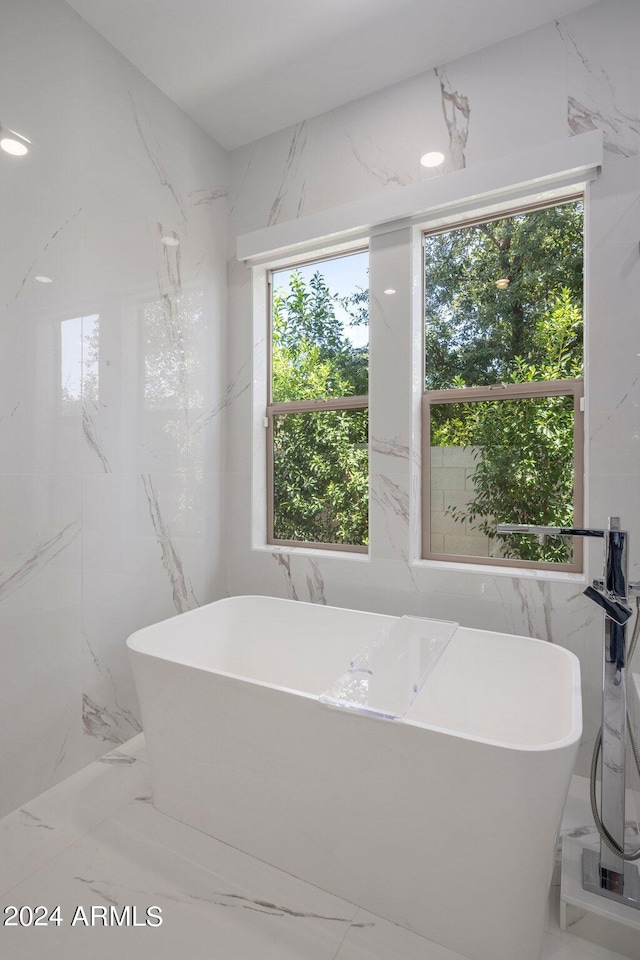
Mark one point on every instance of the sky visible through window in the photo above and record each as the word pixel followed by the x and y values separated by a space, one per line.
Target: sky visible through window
pixel 78 355
pixel 344 276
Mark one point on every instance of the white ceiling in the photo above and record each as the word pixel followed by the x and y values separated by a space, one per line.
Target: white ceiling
pixel 245 68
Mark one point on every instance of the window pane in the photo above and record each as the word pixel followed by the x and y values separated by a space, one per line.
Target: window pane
pixel 321 476
pixel 502 461
pixel 79 367
pixel 320 329
pixel 503 300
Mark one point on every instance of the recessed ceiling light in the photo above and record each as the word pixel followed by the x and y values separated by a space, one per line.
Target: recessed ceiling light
pixel 43 279
pixel 502 283
pixel 170 241
pixel 14 147
pixel 433 159
pixel 389 291
pixel 13 143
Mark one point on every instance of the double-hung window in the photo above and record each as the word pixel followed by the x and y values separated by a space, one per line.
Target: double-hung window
pixel 317 413
pixel 502 408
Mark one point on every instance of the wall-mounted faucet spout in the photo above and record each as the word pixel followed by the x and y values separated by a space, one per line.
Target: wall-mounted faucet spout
pixel 609 593
pixel 549 531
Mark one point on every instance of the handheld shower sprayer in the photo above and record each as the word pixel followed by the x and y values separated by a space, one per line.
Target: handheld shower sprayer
pixel 609 873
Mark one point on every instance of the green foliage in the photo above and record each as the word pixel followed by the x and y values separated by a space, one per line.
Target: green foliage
pixel 478 334
pixel 524 472
pixel 321 473
pixel 307 333
pixel 474 330
pixel 321 477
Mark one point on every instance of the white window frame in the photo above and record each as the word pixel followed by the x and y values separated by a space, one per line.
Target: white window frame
pixel 541 174
pixel 500 392
pixel 282 408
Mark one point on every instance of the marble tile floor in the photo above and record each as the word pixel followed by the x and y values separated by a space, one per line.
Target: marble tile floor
pixel 96 839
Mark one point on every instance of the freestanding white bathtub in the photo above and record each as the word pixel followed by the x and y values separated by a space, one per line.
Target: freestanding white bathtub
pixel 444 822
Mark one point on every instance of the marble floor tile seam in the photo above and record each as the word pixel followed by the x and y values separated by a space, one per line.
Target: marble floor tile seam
pixel 135 803
pixel 557 943
pixel 242 853
pixel 45 858
pixel 120 865
pixel 193 864
pixel 574 942
pixel 430 947
pixel 341 944
pixel 48 860
pixel 396 940
pixel 558 940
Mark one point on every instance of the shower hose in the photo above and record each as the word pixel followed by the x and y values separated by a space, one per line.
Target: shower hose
pixel 602 830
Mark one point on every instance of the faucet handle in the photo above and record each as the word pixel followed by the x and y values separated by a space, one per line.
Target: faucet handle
pixel 616 609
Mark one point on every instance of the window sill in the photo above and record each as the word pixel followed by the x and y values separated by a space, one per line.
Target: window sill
pixel 313 553
pixel 492 570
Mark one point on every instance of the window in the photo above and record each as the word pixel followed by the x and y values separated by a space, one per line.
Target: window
pixel 478 352
pixel 317 414
pixel 502 420
pixel 79 367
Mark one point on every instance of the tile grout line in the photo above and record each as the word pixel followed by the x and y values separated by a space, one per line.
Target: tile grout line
pixel 68 846
pixel 345 935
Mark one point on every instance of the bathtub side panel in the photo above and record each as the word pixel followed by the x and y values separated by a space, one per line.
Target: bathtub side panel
pixel 448 837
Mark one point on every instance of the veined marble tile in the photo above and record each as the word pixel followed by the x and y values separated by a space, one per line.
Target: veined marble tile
pixel 101 376
pixel 110 712
pixel 96 839
pixel 36 832
pixel 207 571
pixel 137 571
pixel 212 897
pixel 371 938
pixel 499 101
pixel 135 530
pixel 389 506
pixel 603 74
pixel 39 648
pixel 132 748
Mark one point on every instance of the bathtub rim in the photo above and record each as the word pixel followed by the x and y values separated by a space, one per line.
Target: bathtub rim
pixel 136 644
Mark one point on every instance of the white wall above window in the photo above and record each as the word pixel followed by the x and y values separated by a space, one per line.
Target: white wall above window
pixel 540 174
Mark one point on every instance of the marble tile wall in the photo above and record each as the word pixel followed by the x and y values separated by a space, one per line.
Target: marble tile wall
pixel 577 74
pixel 112 388
pixel 121 500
